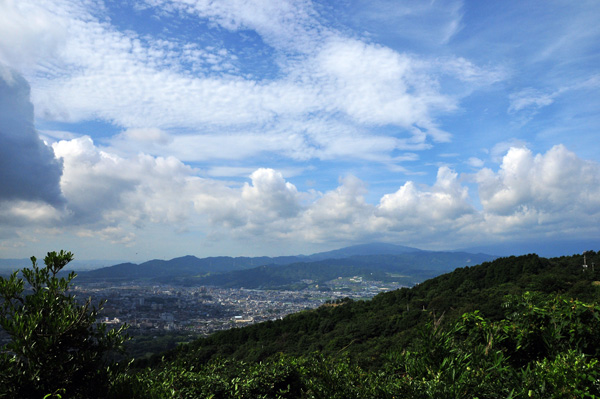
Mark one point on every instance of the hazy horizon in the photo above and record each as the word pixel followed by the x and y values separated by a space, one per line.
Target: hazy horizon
pixel 551 250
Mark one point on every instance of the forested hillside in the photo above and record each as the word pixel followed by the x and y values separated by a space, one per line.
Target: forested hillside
pixel 368 329
pixel 515 327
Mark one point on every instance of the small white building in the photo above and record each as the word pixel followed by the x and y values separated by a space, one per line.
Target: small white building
pixel 243 319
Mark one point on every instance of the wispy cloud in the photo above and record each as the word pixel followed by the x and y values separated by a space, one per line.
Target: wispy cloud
pixel 143 82
pixel 530 98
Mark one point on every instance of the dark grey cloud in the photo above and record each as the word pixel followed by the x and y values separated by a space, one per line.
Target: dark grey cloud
pixel 28 169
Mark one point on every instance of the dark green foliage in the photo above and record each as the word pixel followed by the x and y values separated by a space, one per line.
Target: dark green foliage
pixel 471 357
pixel 491 338
pixel 312 376
pixel 144 346
pixel 366 330
pixel 518 327
pixel 523 355
pixel 56 347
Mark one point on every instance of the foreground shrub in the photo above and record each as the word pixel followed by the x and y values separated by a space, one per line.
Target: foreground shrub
pixel 57 346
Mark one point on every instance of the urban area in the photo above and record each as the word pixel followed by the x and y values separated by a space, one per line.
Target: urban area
pixel 203 310
pixel 152 310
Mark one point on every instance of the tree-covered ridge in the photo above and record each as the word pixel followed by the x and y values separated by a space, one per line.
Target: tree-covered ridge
pixel 544 346
pixel 366 330
pixel 517 327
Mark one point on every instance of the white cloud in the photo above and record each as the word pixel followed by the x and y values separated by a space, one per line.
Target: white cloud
pixel 340 214
pixel 466 71
pixel 111 198
pixel 530 98
pixel 28 213
pixel 500 149
pixel 541 190
pixel 289 25
pixel 112 234
pixel 108 192
pixel 376 85
pixel 319 76
pixel 264 208
pixel 323 139
pixel 28 34
pixel 151 135
pixel 423 211
pixel 475 162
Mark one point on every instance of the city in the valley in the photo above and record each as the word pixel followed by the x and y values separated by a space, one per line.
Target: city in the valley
pixel 203 310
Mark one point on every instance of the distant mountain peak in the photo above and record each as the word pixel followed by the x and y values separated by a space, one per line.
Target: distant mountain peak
pixel 375 248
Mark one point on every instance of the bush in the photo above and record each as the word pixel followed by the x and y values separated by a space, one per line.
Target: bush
pixel 57 346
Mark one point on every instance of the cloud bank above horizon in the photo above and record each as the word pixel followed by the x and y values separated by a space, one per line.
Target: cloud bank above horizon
pixel 157 128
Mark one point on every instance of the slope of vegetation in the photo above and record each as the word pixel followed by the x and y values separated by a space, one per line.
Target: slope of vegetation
pixel 545 347
pixel 366 330
pixel 516 327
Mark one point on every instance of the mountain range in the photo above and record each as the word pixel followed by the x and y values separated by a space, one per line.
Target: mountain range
pixel 376 261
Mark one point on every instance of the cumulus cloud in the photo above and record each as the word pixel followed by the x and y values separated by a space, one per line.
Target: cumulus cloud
pixel 264 207
pixel 111 198
pixel 555 194
pixel 28 168
pixel 340 214
pixel 499 150
pixel 427 211
pixel 542 191
pixel 271 195
pixel 106 191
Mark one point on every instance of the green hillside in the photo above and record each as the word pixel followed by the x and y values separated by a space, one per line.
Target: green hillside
pixel 368 329
pixel 514 327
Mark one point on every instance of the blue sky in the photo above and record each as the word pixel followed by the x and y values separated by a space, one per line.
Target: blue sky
pixel 157 128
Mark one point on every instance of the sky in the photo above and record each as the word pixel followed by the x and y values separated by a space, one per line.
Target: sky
pixel 142 129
